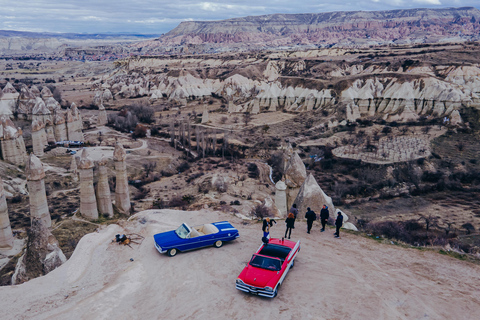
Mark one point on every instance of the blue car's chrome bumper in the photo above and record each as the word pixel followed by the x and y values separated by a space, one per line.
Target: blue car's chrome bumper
pixel 159 248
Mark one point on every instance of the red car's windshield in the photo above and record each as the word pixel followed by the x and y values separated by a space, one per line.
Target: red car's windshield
pixel 266 263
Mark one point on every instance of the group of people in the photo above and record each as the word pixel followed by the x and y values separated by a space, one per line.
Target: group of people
pixel 310 215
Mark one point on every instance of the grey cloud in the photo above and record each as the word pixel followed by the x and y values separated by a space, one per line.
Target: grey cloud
pixel 160 16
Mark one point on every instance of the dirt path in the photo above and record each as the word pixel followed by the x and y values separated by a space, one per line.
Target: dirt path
pixel 347 278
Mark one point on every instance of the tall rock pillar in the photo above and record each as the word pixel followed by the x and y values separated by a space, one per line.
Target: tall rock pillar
pixel 6 235
pixel 122 196
pixel 39 137
pixel 88 201
pixel 104 199
pixel 36 189
pixel 281 197
pixel 102 116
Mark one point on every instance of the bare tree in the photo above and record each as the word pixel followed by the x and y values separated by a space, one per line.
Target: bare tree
pixel 247 117
pixel 148 167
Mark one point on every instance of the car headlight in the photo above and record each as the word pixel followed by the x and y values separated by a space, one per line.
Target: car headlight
pixel 268 289
pixel 239 281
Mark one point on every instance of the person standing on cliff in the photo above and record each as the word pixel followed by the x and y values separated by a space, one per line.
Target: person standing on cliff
pixel 294 210
pixel 290 221
pixel 338 224
pixel 324 214
pixel 310 216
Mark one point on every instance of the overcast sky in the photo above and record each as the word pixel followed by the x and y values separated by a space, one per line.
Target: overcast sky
pixel 160 16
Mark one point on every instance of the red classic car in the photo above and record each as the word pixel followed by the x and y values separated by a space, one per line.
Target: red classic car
pixel 268 267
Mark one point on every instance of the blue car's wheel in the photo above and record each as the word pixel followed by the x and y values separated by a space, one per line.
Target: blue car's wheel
pixel 218 244
pixel 172 252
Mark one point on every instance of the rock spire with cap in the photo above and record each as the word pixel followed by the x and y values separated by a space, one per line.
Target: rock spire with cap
pixel 35 174
pixel 311 195
pixel 122 196
pixel 6 235
pixel 88 201
pixel 104 199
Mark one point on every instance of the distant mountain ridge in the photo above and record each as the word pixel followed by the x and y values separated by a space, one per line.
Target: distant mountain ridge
pixel 353 28
pixel 74 36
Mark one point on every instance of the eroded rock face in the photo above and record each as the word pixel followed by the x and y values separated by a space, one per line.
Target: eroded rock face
pixel 42 255
pixel 311 195
pixel 281 197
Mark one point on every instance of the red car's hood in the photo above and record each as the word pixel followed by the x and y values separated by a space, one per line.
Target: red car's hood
pixel 257 277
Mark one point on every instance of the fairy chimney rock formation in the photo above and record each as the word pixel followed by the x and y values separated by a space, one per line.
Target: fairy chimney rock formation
pixel 73 168
pixel 311 195
pixel 11 141
pixel 39 137
pixel 205 115
pixel 43 254
pixel 295 172
pixel 122 196
pixel 88 201
pixel 60 128
pixel 6 235
pixel 76 133
pixel 36 188
pixel 102 116
pixel 281 197
pixel 104 199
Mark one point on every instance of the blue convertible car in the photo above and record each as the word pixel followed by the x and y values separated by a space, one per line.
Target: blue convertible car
pixel 189 238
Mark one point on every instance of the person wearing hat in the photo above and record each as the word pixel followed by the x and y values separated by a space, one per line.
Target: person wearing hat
pixel 324 214
pixel 338 224
pixel 310 216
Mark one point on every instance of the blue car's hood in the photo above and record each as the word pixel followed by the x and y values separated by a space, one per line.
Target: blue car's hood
pixel 165 239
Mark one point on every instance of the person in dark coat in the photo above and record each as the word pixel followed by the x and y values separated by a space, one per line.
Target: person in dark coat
pixel 338 224
pixel 324 214
pixel 290 221
pixel 294 210
pixel 310 216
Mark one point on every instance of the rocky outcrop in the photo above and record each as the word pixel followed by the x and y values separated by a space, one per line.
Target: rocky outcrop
pixel 35 174
pixel 104 199
pixel 6 235
pixel 311 195
pixel 88 201
pixel 42 255
pixel 295 175
pixel 75 126
pixel 122 195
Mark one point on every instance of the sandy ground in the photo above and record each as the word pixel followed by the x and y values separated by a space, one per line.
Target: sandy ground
pixel 347 278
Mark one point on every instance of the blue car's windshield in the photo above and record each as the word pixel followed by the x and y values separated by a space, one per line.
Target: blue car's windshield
pixel 266 263
pixel 182 231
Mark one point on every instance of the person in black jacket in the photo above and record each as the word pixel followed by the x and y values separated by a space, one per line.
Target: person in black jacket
pixel 324 214
pixel 290 221
pixel 338 224
pixel 310 216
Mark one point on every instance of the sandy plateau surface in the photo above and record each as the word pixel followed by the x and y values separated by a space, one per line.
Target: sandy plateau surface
pixel 348 278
